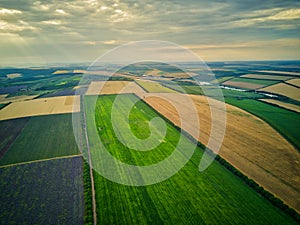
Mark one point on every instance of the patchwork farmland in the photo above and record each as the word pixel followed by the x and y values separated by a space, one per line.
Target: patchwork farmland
pixel 181 195
pixel 295 82
pixel 285 105
pixel 285 90
pixel 45 177
pixel 241 130
pixel 246 83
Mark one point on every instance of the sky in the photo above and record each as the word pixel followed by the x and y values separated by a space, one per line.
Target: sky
pixel 80 31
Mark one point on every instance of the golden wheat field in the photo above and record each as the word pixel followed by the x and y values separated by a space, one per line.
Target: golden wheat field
pixel 113 87
pixel 42 106
pixel 284 89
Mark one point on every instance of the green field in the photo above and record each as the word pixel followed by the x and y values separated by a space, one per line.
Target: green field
pixel 139 125
pixel 2 105
pixel 284 121
pixel 255 81
pixel 223 79
pixel 215 196
pixel 49 192
pixel 9 131
pixel 43 137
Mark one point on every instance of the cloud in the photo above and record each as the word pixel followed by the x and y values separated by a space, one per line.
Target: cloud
pixel 275 15
pixel 110 42
pixel 4 11
pixel 40 7
pixel 104 8
pixel 284 42
pixel 52 22
pixel 61 12
pixel 15 27
pixel 289 14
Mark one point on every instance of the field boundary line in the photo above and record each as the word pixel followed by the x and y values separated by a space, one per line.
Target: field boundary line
pixel 90 163
pixel 40 160
pixel 286 83
pixel 16 137
pixel 286 137
pixel 141 86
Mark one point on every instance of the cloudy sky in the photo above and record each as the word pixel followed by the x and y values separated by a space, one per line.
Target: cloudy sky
pixel 73 31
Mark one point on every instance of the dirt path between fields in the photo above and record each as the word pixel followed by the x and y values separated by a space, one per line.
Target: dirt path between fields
pixel 40 160
pixel 91 167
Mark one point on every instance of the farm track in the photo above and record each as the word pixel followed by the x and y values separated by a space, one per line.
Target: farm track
pixel 91 166
pixel 40 160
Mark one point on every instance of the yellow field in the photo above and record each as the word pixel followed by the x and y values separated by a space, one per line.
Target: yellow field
pixel 156 72
pixel 293 107
pixel 284 89
pixel 96 72
pixel 2 97
pixel 113 87
pixel 154 87
pixel 42 106
pixel 266 77
pixel 62 71
pixel 13 75
pixel 17 98
pixel 250 144
pixel 279 72
pixel 243 85
pixel 295 82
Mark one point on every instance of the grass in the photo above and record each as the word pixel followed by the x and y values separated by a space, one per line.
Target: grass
pixel 49 192
pixel 255 81
pixel 43 137
pixel 9 131
pixel 284 121
pixel 215 196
